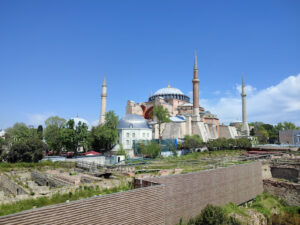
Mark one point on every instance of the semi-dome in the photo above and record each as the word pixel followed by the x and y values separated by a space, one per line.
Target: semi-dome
pixel 169 93
pixel 133 121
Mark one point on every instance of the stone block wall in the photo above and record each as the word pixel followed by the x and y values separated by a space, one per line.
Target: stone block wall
pixel 286 172
pixel 287 191
pixel 48 180
pixel 8 186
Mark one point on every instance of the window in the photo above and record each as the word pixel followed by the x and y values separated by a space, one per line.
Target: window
pixel 143 135
pixel 127 134
pixel 148 135
pixel 133 135
pixel 127 142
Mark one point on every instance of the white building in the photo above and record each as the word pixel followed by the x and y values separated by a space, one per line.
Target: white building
pixel 132 128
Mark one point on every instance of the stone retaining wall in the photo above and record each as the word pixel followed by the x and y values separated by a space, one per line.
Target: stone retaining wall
pixel 48 180
pixel 287 191
pixel 10 187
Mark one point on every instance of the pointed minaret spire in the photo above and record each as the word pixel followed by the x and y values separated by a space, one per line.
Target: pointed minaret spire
pixel 245 126
pixel 169 84
pixel 151 93
pixel 196 89
pixel 195 63
pixel 104 81
pixel 103 102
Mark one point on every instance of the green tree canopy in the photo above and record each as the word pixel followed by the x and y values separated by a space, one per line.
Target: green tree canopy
pixel 192 142
pixel 161 115
pixel 151 149
pixel 73 137
pixel 30 150
pixel 53 138
pixel 104 137
pixel 55 120
pixel 19 132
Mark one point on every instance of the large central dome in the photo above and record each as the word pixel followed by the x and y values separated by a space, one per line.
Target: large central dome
pixel 168 90
pixel 169 93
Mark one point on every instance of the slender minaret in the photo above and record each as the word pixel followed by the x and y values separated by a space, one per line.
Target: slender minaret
pixel 196 88
pixel 103 102
pixel 245 126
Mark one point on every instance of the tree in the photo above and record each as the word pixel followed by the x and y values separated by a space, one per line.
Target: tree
pixel 192 142
pixel 162 116
pixel 151 149
pixel 53 138
pixel 55 120
pixel 18 132
pixel 40 133
pixel 30 150
pixel 104 137
pixel 73 137
pixel 262 135
pixel 213 215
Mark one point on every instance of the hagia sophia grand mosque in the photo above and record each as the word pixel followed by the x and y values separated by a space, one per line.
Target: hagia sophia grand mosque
pixel 186 118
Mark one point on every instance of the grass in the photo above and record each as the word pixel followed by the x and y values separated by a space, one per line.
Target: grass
pixel 195 161
pixel 80 193
pixel 267 204
pixel 233 208
pixel 6 167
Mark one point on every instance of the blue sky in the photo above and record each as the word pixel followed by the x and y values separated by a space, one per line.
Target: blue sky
pixel 54 54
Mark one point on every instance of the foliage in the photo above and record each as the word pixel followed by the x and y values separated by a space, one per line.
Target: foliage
pixel 104 137
pixel 40 133
pixel 73 137
pixel 161 115
pixel 267 133
pixel 151 149
pixel 18 132
pixel 30 150
pixel 6 167
pixel 192 142
pixel 53 139
pixel 213 215
pixel 55 120
pixel 225 144
pixel 79 193
pixel 122 151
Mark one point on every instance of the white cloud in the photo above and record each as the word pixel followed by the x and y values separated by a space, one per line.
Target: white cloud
pixel 271 105
pixel 38 118
pixel 248 88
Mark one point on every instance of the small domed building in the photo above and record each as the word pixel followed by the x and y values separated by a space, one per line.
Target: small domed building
pixel 133 128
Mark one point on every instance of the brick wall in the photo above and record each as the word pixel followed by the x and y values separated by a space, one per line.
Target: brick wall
pixel 139 206
pixel 161 200
pixel 187 194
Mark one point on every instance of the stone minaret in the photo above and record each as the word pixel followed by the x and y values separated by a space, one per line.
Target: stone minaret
pixel 245 127
pixel 103 102
pixel 196 88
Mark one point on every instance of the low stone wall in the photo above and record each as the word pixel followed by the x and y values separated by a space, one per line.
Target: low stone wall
pixel 10 187
pixel 48 180
pixel 139 206
pixel 291 173
pixel 187 194
pixel 287 191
